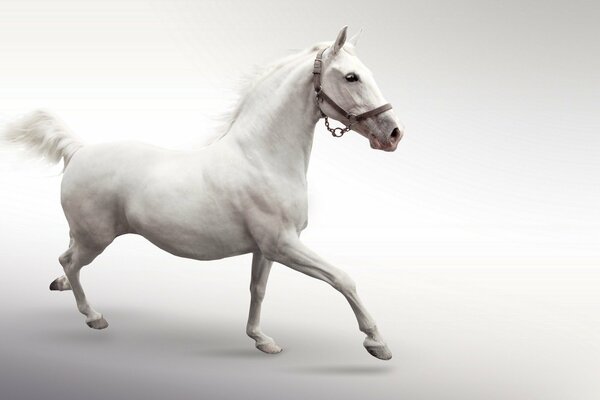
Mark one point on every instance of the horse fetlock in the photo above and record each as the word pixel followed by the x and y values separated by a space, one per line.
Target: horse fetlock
pixel 371 331
pixel 255 333
pixel 251 333
pixel 86 310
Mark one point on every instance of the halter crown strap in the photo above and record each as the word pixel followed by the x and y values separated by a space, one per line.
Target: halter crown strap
pixel 321 96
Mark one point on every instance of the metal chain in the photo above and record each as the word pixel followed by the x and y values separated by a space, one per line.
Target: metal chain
pixel 336 132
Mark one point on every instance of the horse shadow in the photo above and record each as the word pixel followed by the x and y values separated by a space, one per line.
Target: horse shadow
pixel 137 331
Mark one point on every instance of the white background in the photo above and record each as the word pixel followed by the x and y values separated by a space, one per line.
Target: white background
pixel 475 244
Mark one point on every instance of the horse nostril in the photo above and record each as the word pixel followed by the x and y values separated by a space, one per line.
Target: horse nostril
pixel 396 135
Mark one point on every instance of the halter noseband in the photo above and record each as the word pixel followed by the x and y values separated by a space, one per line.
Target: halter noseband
pixel 321 96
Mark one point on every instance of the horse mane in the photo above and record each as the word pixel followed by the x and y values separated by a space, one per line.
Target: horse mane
pixel 249 81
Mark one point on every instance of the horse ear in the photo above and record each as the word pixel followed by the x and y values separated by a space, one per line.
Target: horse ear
pixel 341 39
pixel 354 39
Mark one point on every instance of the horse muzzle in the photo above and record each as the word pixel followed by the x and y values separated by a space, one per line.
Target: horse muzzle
pixel 390 143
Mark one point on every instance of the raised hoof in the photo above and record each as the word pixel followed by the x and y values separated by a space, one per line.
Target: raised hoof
pixel 269 348
pixel 377 349
pixel 60 284
pixel 98 323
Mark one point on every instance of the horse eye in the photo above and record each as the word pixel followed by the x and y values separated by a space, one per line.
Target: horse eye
pixel 352 77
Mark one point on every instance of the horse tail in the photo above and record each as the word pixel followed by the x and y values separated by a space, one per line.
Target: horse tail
pixel 42 135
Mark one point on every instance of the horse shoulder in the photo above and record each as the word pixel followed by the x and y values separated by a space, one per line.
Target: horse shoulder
pixel 276 205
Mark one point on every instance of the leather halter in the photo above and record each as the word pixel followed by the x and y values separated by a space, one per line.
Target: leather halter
pixel 321 96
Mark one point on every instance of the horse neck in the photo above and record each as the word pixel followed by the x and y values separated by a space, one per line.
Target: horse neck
pixel 276 124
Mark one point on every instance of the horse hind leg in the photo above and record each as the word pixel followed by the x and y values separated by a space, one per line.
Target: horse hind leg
pixel 76 257
pixel 62 282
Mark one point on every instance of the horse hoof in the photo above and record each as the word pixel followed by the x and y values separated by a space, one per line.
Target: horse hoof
pixel 98 323
pixel 269 348
pixel 377 349
pixel 60 284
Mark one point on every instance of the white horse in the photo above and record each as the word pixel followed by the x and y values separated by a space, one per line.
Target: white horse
pixel 244 193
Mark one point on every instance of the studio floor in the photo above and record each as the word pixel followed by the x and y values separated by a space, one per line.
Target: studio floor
pixel 177 331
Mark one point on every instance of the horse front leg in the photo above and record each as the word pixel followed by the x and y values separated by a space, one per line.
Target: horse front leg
pixel 258 284
pixel 294 254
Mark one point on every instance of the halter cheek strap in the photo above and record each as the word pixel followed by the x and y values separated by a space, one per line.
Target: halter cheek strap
pixel 321 96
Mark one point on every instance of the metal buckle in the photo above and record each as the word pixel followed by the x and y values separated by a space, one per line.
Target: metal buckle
pixel 318 95
pixel 317 66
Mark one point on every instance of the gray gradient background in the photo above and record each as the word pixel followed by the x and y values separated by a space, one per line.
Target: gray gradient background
pixel 475 245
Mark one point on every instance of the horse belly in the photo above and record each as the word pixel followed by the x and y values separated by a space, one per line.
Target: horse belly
pixel 200 242
pixel 188 223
